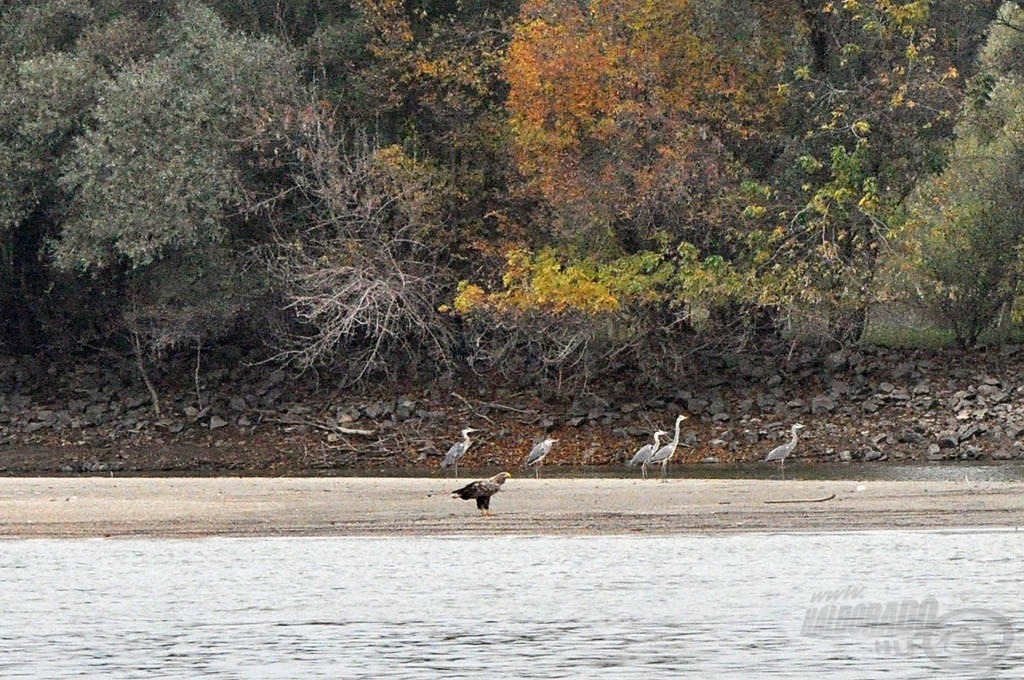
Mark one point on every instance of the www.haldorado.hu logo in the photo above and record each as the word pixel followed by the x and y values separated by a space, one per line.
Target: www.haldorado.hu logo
pixel 964 639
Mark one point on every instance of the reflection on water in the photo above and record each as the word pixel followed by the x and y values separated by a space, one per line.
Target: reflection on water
pixel 754 605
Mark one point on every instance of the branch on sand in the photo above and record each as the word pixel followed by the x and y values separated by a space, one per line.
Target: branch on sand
pixel 804 500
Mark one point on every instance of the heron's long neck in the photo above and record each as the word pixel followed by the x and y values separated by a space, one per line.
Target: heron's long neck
pixel 466 442
pixel 793 441
pixel 657 440
pixel 675 440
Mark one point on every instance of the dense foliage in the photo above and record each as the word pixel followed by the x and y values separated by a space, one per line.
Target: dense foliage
pixel 554 191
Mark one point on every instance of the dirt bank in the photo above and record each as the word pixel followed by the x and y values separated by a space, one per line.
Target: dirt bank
pixel 232 506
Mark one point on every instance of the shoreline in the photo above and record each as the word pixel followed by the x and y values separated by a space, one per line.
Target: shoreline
pixel 95 507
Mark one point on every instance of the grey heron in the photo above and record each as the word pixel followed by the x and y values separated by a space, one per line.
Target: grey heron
pixel 780 452
pixel 537 454
pixel 458 450
pixel 666 452
pixel 643 456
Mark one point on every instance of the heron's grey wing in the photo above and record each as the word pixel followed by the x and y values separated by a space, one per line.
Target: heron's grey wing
pixel 660 454
pixel 453 454
pixel 777 453
pixel 644 454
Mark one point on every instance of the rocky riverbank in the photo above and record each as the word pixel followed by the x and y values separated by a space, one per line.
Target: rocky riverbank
pixel 866 405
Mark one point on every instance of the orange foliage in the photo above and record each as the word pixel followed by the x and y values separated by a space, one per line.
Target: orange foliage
pixel 615 102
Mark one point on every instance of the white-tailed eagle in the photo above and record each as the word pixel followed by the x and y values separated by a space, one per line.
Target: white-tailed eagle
pixel 482 490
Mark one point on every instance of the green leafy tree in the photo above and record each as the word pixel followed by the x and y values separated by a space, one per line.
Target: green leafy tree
pixel 47 91
pixel 968 222
pixel 159 178
pixel 870 102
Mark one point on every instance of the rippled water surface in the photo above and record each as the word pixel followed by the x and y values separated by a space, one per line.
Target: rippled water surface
pixel 752 605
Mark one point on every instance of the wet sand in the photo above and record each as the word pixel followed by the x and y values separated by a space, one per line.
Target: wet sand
pixel 99 507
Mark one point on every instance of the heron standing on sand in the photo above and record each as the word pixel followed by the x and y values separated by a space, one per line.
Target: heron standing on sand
pixel 457 451
pixel 780 452
pixel 643 456
pixel 537 454
pixel 666 452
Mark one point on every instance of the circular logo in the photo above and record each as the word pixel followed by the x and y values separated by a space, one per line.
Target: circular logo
pixel 968 638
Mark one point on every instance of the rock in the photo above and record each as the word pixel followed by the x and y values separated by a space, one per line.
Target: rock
pixel 697 405
pixel 910 437
pixel 923 404
pixel 822 404
pixel 873 455
pixel 237 403
pixel 271 397
pixel 404 409
pixel 1014 430
pixel 946 440
pixel 993 394
pixel 870 406
pixel 216 422
pixel 709 460
pixel 968 431
pixel 971 452
pixel 46 417
pixel 836 361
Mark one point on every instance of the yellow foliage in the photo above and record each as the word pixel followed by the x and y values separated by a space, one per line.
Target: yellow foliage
pixel 469 297
pixel 545 282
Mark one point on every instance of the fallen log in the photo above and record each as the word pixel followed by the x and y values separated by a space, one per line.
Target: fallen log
pixel 804 500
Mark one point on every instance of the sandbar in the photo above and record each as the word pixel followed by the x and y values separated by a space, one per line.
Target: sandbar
pixel 89 507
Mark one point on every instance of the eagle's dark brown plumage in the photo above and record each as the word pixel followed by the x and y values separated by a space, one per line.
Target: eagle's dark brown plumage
pixel 482 490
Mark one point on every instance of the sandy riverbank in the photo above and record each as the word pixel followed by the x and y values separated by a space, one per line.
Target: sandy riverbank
pixel 98 506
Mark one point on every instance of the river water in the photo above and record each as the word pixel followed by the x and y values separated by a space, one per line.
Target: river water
pixel 904 604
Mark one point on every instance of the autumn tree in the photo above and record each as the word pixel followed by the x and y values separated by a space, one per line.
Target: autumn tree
pixel 630 117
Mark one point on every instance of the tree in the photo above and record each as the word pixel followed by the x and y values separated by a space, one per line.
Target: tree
pixel 47 91
pixel 628 115
pixel 159 179
pixel 967 224
pixel 358 274
pixel 870 104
